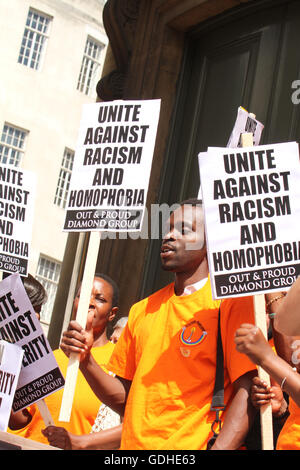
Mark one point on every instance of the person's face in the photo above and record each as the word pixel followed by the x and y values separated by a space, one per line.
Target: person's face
pixel 100 304
pixel 183 247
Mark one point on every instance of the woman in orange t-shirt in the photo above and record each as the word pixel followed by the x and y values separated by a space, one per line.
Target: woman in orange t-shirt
pixel 103 308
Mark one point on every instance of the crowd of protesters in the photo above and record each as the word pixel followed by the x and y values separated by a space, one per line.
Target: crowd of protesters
pixel 151 388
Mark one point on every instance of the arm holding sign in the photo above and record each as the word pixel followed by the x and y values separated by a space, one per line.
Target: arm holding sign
pixel 263 394
pixel 19 419
pixel 250 341
pixel 105 440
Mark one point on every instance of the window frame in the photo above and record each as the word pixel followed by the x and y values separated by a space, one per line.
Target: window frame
pixel 62 190
pixel 20 150
pixel 87 76
pixel 40 46
pixel 50 285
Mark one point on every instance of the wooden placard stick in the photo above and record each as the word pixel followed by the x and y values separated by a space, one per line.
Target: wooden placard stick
pixel 45 413
pixel 81 317
pixel 73 282
pixel 266 419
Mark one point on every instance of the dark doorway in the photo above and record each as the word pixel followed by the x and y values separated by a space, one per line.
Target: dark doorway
pixel 248 57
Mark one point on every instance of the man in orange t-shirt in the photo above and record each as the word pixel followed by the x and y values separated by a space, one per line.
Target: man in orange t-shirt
pixel 165 360
pixel 172 367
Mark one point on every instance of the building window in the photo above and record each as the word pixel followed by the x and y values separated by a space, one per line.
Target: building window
pixel 34 39
pixel 64 179
pixel 12 145
pixel 90 66
pixel 48 272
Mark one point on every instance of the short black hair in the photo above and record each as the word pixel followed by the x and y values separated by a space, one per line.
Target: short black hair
pixel 115 288
pixel 36 292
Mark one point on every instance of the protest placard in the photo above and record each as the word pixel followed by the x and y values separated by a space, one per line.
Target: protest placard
pixel 251 202
pixel 245 123
pixel 108 189
pixel 40 375
pixel 246 127
pixel 11 357
pixel 239 138
pixel 17 193
pixel 112 164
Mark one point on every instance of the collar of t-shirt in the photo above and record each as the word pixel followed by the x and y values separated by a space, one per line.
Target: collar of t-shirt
pixel 188 290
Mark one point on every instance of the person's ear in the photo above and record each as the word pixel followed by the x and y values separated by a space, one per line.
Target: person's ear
pixel 112 313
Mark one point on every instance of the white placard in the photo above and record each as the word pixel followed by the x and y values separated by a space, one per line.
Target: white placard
pixel 17 194
pixel 40 375
pixel 245 122
pixel 10 365
pixel 251 202
pixel 112 165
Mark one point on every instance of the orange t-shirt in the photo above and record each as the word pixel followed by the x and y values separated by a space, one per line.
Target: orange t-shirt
pixel 289 437
pixel 85 403
pixel 168 351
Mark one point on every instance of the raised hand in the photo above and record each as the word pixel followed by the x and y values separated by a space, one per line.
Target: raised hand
pixel 78 340
pixel 250 340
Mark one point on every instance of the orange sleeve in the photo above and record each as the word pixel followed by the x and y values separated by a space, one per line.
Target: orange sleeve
pixel 234 312
pixel 123 359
